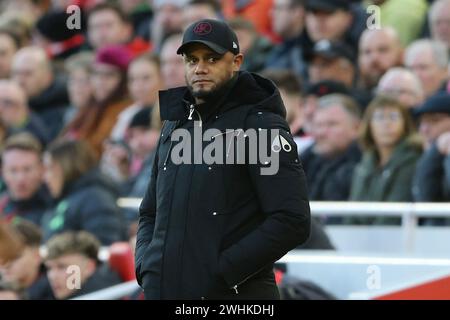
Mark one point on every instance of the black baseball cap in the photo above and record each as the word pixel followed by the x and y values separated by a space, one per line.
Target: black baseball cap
pixel 215 34
pixel 328 5
pixel 438 103
pixel 330 50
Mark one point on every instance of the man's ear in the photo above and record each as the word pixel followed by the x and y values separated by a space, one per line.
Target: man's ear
pixel 237 62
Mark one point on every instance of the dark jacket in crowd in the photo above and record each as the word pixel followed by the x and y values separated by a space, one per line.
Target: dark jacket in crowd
pixel 51 106
pixel 431 181
pixel 88 204
pixel 40 289
pixel 214 231
pixel 290 55
pixel 35 126
pixel 256 57
pixel 432 177
pixel 390 183
pixel 103 277
pixel 330 179
pixel 138 186
pixel 31 209
pixel 318 238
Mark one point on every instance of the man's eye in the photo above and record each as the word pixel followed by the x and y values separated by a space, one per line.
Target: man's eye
pixel 212 60
pixel 190 60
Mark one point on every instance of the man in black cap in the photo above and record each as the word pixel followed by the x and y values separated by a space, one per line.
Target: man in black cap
pixel 213 230
pixel 432 179
pixel 331 60
pixel 338 20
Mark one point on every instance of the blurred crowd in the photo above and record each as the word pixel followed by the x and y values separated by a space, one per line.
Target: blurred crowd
pixel 367 94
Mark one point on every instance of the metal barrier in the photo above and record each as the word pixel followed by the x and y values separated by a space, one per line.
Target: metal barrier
pixel 408 212
pixel 112 293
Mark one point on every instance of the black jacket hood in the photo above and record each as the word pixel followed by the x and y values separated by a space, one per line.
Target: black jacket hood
pixel 247 89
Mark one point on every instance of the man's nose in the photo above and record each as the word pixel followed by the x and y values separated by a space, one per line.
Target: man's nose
pixel 201 68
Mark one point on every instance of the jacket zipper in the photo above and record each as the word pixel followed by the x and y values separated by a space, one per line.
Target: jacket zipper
pixel 235 287
pixel 191 112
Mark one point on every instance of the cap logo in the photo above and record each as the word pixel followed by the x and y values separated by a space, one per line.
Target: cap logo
pixel 203 28
pixel 235 46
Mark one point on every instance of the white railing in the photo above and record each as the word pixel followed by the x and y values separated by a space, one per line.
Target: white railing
pixel 112 293
pixel 408 212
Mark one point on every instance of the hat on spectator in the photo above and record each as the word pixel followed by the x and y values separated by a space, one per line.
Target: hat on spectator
pixel 325 87
pixel 215 34
pixel 117 56
pixel 328 5
pixel 64 41
pixel 142 118
pixel 52 26
pixel 330 50
pixel 438 103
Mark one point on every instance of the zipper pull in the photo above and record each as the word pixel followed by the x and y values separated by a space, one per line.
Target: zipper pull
pixel 191 111
pixel 235 289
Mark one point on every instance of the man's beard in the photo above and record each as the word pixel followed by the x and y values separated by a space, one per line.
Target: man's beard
pixel 206 95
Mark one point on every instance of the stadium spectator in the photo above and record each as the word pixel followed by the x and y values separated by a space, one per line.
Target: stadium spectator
pixel 172 64
pixel 109 26
pixel 143 134
pixel 168 20
pixel 16 115
pixel 109 88
pixel 9 44
pixel 432 177
pixel 140 13
pixel 403 85
pixel 77 249
pixel 335 20
pixel 78 85
pixel 428 59
pixel 330 161
pixel 312 94
pixel 255 47
pixel 391 150
pixel 84 198
pixel 20 23
pixel 288 19
pixel 26 197
pixel 144 82
pixel 53 35
pixel 47 95
pixel 439 21
pixel 331 60
pixel 292 95
pixel 379 50
pixel 196 10
pixel 27 273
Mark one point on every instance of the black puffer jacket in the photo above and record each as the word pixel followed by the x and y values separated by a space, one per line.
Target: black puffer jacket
pixel 205 229
pixel 88 204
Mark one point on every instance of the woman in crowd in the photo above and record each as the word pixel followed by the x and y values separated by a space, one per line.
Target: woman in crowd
pixel 144 83
pixel 391 150
pixel 78 86
pixel 109 87
pixel 84 198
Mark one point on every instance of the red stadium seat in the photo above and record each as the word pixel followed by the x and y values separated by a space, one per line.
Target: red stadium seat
pixel 121 260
